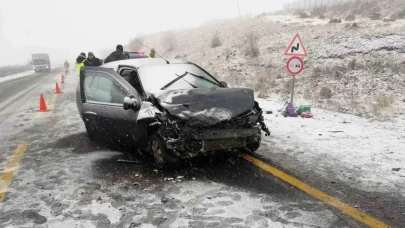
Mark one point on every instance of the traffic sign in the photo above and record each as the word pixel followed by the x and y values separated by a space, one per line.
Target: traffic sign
pixel 296 47
pixel 295 65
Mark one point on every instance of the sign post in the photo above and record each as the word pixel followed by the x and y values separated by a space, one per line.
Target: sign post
pixel 295 65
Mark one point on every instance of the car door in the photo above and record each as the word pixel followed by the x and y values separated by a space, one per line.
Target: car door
pixel 103 91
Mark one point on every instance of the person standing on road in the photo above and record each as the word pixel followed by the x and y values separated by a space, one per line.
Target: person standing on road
pixel 93 61
pixel 67 65
pixel 152 53
pixel 118 54
pixel 81 61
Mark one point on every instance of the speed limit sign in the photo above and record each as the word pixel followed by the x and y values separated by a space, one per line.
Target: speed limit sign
pixel 295 65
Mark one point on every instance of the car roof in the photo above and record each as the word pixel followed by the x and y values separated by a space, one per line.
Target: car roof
pixel 137 63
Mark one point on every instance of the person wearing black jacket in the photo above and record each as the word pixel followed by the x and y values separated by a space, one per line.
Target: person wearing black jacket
pixel 92 60
pixel 118 54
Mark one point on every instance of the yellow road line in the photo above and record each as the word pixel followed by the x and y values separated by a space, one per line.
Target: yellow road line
pixel 51 103
pixel 7 175
pixel 345 208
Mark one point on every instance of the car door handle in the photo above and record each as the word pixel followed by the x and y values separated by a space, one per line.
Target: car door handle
pixel 90 114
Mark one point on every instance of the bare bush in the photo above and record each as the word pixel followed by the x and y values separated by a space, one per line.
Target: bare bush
pixel 252 45
pixel 264 83
pixel 316 72
pixel 381 102
pixel 352 64
pixel 325 93
pixel 262 86
pixel 319 11
pixel 216 41
pixel 169 41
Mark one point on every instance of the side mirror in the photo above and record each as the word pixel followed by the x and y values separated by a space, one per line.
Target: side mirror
pixel 131 103
pixel 224 83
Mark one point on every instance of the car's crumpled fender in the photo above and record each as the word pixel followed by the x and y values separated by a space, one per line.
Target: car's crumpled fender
pixel 147 111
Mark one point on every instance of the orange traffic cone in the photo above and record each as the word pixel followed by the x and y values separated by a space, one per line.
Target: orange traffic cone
pixel 42 105
pixel 57 90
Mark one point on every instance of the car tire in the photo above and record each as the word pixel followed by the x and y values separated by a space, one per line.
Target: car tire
pixel 162 156
pixel 90 131
pixel 251 148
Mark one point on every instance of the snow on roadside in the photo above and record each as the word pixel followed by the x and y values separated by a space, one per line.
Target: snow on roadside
pixel 290 19
pixel 23 74
pixel 350 149
pixel 15 76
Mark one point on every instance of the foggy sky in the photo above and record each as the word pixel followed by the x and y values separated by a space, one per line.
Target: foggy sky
pixel 65 28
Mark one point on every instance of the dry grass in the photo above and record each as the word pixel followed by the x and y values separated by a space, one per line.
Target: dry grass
pixel 325 93
pixel 252 44
pixel 381 103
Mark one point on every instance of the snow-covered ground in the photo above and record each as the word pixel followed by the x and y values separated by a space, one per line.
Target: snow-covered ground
pixel 339 147
pixel 19 75
pixel 22 74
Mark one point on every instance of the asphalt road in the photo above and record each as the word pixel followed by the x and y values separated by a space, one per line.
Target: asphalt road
pixel 13 93
pixel 54 176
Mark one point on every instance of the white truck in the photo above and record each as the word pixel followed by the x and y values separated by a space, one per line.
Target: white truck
pixel 41 62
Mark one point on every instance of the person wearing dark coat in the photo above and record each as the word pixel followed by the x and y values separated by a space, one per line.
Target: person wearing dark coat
pixel 118 54
pixel 92 60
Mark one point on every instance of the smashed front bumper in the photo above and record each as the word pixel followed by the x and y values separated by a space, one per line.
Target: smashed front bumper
pixel 211 140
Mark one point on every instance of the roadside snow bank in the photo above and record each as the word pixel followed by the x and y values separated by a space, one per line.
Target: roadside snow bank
pixel 356 151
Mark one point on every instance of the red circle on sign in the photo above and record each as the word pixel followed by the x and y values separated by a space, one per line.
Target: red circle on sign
pixel 288 65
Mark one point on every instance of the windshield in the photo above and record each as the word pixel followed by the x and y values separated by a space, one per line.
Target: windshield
pixel 174 77
pixel 39 61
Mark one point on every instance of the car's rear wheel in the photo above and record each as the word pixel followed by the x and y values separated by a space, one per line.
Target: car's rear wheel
pixel 162 156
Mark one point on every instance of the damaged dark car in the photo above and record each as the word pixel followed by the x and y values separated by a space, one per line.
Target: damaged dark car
pixel 173 109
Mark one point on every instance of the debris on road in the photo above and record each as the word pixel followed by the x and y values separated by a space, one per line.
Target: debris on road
pixel 269 112
pixel 164 199
pixel 396 169
pixel 135 224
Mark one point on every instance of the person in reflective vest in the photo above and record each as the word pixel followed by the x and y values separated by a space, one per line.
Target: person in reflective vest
pixel 81 61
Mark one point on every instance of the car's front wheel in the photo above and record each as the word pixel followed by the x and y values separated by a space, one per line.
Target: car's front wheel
pixel 90 131
pixel 162 156
pixel 251 147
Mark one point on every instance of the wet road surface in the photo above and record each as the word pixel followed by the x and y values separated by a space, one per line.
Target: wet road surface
pixel 14 93
pixel 66 180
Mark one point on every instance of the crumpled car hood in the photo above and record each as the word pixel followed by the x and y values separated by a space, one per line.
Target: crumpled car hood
pixel 206 107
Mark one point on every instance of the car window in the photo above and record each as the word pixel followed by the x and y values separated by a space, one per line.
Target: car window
pixel 101 87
